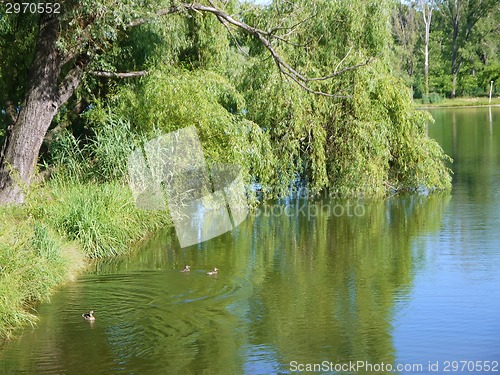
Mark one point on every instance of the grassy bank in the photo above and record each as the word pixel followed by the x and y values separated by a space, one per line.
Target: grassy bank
pixel 49 240
pixel 33 261
pixel 459 102
pixel 84 210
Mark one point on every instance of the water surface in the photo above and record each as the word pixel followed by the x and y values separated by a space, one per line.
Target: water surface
pixel 406 280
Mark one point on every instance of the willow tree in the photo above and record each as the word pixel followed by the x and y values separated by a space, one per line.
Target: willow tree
pixel 61 48
pixel 367 138
pixel 351 131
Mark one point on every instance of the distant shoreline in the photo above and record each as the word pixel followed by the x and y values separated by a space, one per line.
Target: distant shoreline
pixel 460 102
pixel 426 106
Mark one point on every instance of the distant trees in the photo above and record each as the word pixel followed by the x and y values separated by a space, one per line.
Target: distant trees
pixel 405 31
pixel 461 17
pixel 461 40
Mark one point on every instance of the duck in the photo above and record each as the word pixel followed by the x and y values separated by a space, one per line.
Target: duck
pixel 186 268
pixel 89 315
pixel 214 272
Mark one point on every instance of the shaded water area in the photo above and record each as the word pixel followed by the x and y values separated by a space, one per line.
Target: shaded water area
pixel 404 281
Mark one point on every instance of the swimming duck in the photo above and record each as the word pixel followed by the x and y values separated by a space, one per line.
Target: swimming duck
pixel 214 272
pixel 186 268
pixel 89 315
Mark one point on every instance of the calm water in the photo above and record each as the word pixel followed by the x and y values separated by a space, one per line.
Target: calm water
pixel 408 280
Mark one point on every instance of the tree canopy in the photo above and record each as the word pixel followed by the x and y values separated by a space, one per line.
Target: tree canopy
pixel 296 91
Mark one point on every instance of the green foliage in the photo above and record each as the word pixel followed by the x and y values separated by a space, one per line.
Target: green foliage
pixel 30 260
pixel 463 39
pixel 168 100
pixel 17 39
pixel 417 161
pixel 102 157
pixel 102 218
pixel 432 98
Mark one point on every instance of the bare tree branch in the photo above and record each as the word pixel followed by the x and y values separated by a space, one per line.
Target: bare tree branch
pixel 159 13
pixel 261 35
pixel 70 83
pixel 140 73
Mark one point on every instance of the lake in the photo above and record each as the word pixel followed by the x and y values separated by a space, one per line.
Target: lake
pixel 409 284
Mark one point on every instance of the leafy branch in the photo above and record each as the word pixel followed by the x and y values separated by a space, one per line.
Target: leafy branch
pixel 264 37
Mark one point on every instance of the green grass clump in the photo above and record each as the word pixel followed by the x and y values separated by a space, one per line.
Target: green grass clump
pixel 102 218
pixel 31 265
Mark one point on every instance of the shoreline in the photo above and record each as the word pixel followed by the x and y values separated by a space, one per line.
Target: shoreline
pixel 457 106
pixel 460 103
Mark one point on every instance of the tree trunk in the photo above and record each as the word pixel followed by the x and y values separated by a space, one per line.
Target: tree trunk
pixel 427 14
pixel 23 148
pixel 454 86
pixel 426 65
pixel 42 100
pixel 455 68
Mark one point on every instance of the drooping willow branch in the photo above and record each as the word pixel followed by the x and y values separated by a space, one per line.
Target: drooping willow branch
pixel 264 37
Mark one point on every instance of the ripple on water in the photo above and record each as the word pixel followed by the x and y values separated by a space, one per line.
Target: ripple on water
pixel 158 314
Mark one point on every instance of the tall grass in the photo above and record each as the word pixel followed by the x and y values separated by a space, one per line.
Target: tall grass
pixel 31 265
pixel 110 148
pixel 100 158
pixel 90 201
pixel 67 158
pixel 102 218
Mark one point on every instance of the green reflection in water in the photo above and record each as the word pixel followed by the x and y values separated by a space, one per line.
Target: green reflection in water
pixel 291 288
pixel 470 136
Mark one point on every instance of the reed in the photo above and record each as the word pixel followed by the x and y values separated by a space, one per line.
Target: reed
pixel 32 263
pixel 102 218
